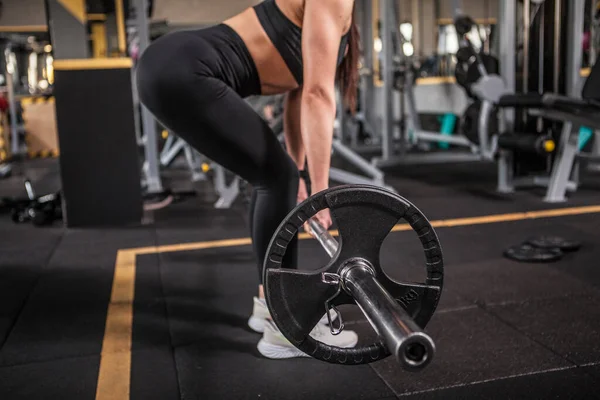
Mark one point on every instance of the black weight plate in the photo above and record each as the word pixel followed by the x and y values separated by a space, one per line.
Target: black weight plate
pixel 491 64
pixel 469 122
pixel 527 253
pixel 464 54
pixel 364 215
pixel 553 242
pixel 460 74
pixel 40 217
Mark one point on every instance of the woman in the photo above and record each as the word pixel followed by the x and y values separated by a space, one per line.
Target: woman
pixel 194 83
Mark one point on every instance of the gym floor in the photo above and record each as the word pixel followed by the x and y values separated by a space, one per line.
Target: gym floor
pixel 160 311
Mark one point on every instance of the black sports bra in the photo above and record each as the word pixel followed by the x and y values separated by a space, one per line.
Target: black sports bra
pixel 287 37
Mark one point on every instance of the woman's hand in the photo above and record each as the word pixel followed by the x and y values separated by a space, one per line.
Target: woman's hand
pixel 323 217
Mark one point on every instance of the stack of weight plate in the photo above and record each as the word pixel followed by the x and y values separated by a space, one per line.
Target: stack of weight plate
pixel 542 249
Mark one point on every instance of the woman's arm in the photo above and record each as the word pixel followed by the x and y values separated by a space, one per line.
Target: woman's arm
pixel 293 136
pixel 292 128
pixel 323 27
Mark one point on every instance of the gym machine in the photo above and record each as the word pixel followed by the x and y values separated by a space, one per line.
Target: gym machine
pixel 410 143
pixel 499 140
pixel 398 312
pixel 173 148
pixel 13 55
pixel 574 114
pixel 138 26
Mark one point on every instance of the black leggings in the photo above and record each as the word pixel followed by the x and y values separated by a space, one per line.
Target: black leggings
pixel 194 82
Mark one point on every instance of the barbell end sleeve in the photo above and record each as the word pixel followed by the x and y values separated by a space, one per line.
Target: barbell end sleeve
pixel 404 339
pixel 329 244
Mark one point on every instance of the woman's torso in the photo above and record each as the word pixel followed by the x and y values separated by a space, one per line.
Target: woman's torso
pixel 275 74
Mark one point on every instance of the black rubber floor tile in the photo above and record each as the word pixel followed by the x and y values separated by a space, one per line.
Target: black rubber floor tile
pixel 154 375
pixel 499 280
pixel 588 224
pixel 583 264
pixel 73 378
pixel 570 327
pixel 592 370
pixel 449 302
pixel 571 383
pixel 19 271
pixel 229 367
pixel 466 244
pixel 208 291
pixel 122 237
pixel 80 255
pixel 150 322
pixel 452 300
pixel 440 207
pixel 25 237
pixel 206 233
pixel 520 229
pixel 472 346
pixel 419 192
pixel 65 314
pixel 203 222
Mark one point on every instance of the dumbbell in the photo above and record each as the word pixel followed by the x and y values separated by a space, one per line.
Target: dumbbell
pixel 398 312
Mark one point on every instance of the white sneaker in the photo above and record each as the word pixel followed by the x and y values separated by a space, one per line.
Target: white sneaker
pixel 260 314
pixel 274 345
pixel 345 339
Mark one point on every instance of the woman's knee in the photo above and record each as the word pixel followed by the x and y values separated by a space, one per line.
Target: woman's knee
pixel 279 178
pixel 286 174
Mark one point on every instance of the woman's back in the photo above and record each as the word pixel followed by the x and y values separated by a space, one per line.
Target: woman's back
pixel 272 32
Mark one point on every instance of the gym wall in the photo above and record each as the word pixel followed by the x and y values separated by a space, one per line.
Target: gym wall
pixel 478 9
pixel 426 15
pixel 23 13
pixel 198 12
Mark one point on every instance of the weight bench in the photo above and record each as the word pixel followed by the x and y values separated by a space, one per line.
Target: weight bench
pixel 575 113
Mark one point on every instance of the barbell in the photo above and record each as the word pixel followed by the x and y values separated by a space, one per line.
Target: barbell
pixel 397 311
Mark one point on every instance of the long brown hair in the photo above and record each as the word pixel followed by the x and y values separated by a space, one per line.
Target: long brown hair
pixel 347 73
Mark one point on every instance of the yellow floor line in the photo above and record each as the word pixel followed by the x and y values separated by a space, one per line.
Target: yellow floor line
pixel 115 361
pixel 448 223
